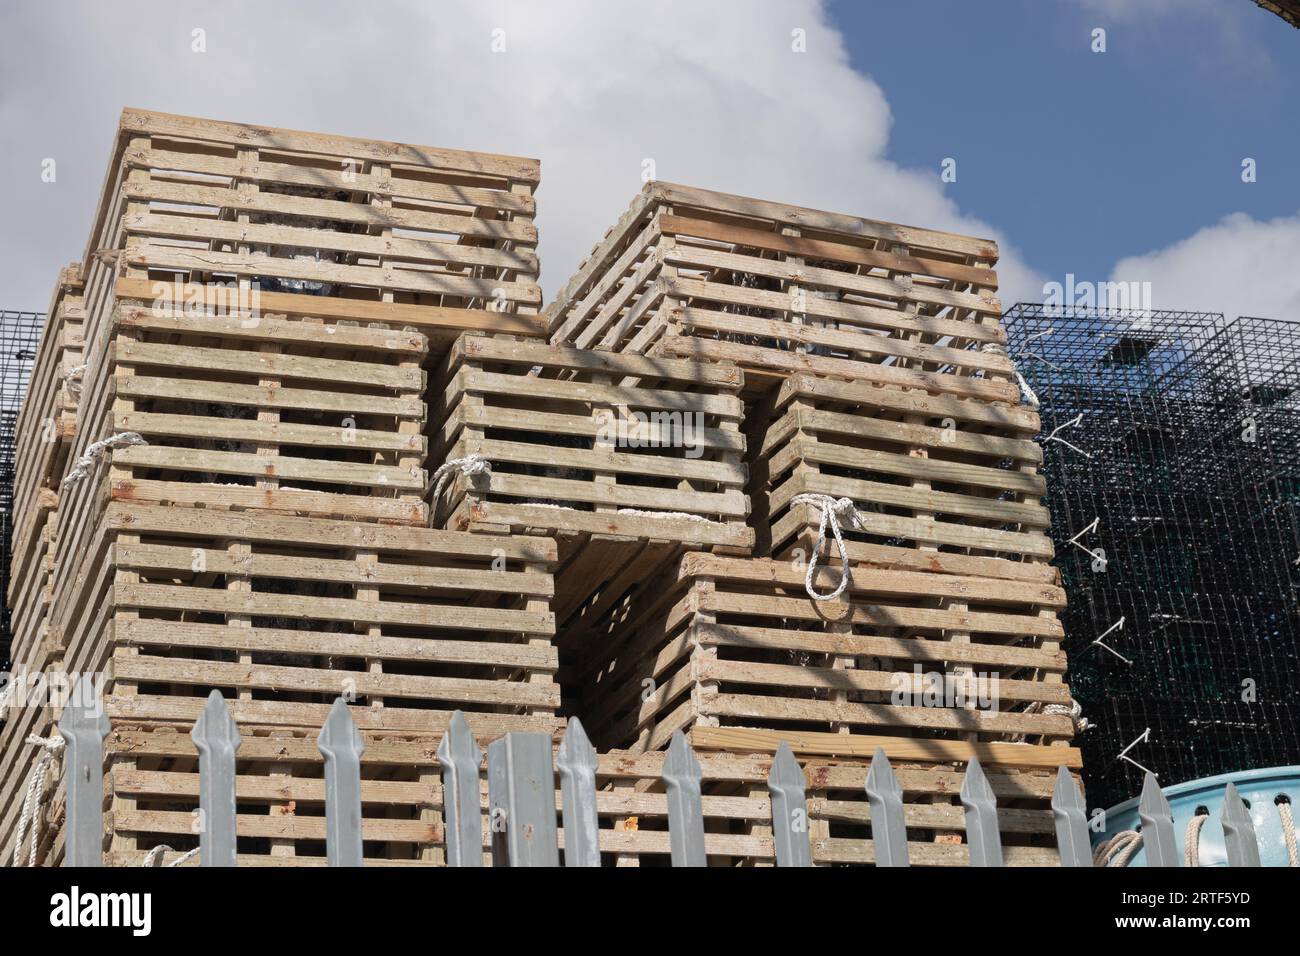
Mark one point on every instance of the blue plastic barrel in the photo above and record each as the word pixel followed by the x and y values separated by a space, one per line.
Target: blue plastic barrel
pixel 1259 788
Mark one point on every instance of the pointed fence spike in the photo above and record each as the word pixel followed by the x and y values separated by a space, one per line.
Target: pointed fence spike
pixel 982 832
pixel 341 745
pixel 786 784
pixel 1159 845
pixel 1238 831
pixel 576 761
pixel 1071 821
pixel 888 828
pixel 216 736
pixel 521 801
pixel 682 776
pixel 460 757
pixel 83 726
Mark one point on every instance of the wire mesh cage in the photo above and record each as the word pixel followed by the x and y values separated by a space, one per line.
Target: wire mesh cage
pixel 1170 451
pixel 19 335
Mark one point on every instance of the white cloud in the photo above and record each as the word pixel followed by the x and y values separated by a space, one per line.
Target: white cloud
pixel 1238 266
pixel 1131 10
pixel 710 91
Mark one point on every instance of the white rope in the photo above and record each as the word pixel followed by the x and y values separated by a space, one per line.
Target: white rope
pixel 152 857
pixel 69 379
pixel 33 804
pixel 476 464
pixel 6 697
pixel 469 466
pixel 1288 832
pixel 833 510
pixel 640 513
pixel 630 512
pixel 1073 710
pixel 1026 392
pixel 86 463
pixel 1118 850
pixel 1192 840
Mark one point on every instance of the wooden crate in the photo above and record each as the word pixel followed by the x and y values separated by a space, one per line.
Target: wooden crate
pixel 25 714
pixel 691 273
pixel 736 652
pixel 935 473
pixel 153 783
pixel 275 293
pixel 737 810
pixel 284 614
pixel 625 460
pixel 321 215
pixel 258 412
pixel 43 435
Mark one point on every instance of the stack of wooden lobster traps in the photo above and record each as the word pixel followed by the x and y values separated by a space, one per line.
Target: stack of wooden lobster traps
pixel 759 473
pixel 241 505
pixel 899 594
pixel 44 432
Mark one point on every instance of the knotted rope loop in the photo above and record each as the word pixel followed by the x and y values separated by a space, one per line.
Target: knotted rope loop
pixel 833 512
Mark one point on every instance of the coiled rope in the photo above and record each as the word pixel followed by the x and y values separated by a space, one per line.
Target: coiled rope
pixel 1118 850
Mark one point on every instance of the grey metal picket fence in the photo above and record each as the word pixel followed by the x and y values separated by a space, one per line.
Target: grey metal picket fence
pixel 521 800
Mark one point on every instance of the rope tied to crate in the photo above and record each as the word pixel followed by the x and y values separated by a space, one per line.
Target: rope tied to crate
pixel 1073 710
pixel 84 465
pixel 469 466
pixel 833 511
pixel 154 856
pixel 1118 850
pixel 1026 392
pixel 7 694
pixel 71 378
pixel 33 802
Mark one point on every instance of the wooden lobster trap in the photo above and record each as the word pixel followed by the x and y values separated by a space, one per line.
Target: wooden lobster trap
pixel 44 432
pixel 946 476
pixel 321 215
pixel 249 411
pixel 777 289
pixel 625 460
pixel 258 304
pixel 284 614
pixel 737 653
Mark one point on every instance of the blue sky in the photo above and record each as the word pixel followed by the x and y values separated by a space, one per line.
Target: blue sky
pixel 1085 158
